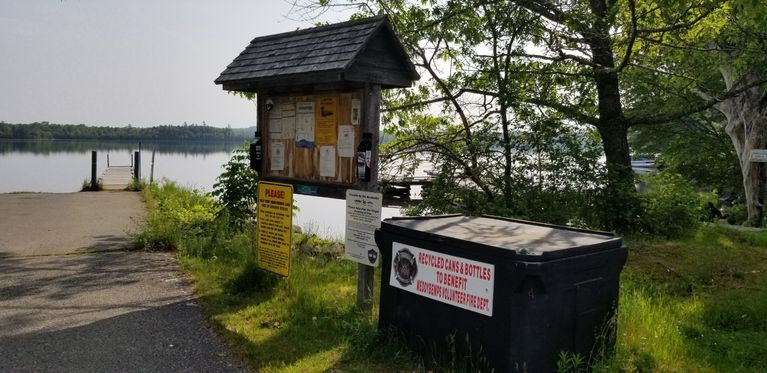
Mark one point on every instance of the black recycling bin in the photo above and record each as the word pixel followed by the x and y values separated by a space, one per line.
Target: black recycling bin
pixel 498 294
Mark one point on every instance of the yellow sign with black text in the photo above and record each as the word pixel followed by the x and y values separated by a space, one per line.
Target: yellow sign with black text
pixel 275 226
pixel 326 130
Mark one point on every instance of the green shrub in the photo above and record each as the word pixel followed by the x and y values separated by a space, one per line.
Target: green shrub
pixel 736 214
pixel 176 215
pixel 237 189
pixel 190 210
pixel 670 206
pixel 157 233
pixel 136 185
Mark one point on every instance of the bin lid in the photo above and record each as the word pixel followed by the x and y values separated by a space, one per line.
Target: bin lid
pixel 523 239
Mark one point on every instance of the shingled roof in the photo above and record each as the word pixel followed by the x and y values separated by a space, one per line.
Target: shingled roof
pixel 365 50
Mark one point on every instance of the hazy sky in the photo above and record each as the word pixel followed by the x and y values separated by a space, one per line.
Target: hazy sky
pixel 143 62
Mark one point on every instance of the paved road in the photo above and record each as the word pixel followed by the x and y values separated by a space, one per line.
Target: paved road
pixel 111 311
pixel 47 223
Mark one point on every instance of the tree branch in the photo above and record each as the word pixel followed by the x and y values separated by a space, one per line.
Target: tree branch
pixel 544 9
pixel 632 37
pixel 450 15
pixel 418 104
pixel 713 100
pixel 562 56
pixel 678 26
pixel 568 111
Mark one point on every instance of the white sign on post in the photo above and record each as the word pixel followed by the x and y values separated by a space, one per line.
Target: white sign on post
pixel 758 155
pixel 363 217
pixel 459 282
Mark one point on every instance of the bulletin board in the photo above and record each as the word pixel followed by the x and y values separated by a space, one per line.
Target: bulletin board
pixel 312 138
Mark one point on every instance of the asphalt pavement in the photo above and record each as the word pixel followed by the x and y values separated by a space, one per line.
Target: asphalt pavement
pixel 58 223
pixel 66 308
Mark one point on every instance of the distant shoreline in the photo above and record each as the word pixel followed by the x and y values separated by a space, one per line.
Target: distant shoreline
pixel 81 132
pixel 45 146
pixel 147 140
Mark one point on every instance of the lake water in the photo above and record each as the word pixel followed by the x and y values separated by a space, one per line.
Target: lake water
pixel 61 167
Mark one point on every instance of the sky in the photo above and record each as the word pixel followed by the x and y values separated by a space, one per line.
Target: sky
pixel 138 62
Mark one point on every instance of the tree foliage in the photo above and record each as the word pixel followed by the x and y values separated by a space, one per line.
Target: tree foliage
pixel 727 52
pixel 553 175
pixel 696 148
pixel 491 153
pixel 606 65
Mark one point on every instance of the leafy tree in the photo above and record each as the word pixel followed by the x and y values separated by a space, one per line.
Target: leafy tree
pixel 725 52
pixel 492 154
pixel 571 59
pixel 740 52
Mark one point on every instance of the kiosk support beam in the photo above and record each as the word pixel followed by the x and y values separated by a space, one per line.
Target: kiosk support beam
pixel 371 111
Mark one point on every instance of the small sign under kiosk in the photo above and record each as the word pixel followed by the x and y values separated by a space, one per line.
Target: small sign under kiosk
pixel 275 227
pixel 363 217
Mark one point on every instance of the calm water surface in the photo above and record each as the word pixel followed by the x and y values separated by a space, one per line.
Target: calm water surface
pixel 61 167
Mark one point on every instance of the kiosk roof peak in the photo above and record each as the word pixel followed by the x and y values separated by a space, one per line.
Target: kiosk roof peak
pixel 357 51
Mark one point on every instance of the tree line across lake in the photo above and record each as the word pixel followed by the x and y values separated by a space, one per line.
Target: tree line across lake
pixel 187 132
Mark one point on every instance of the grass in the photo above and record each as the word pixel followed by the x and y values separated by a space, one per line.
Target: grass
pixel 87 187
pixel 136 185
pixel 307 322
pixel 696 304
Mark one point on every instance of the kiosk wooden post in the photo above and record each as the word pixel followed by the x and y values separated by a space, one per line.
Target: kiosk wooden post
pixel 371 124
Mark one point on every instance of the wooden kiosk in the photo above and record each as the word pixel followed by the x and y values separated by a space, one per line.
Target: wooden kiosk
pixel 318 94
pixel 318 90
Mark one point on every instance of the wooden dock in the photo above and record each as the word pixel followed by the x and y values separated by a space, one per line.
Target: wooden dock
pixel 116 177
pixel 397 192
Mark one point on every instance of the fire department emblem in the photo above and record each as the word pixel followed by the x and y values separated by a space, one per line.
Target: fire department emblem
pixel 405 268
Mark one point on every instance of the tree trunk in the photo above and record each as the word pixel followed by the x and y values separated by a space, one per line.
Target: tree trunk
pixel 620 204
pixel 616 146
pixel 620 200
pixel 747 127
pixel 507 192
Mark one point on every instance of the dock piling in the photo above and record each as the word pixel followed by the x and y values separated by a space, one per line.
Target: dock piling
pixel 137 166
pixel 151 169
pixel 94 182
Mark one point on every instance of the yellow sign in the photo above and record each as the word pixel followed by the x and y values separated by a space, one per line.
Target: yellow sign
pixel 325 118
pixel 275 226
